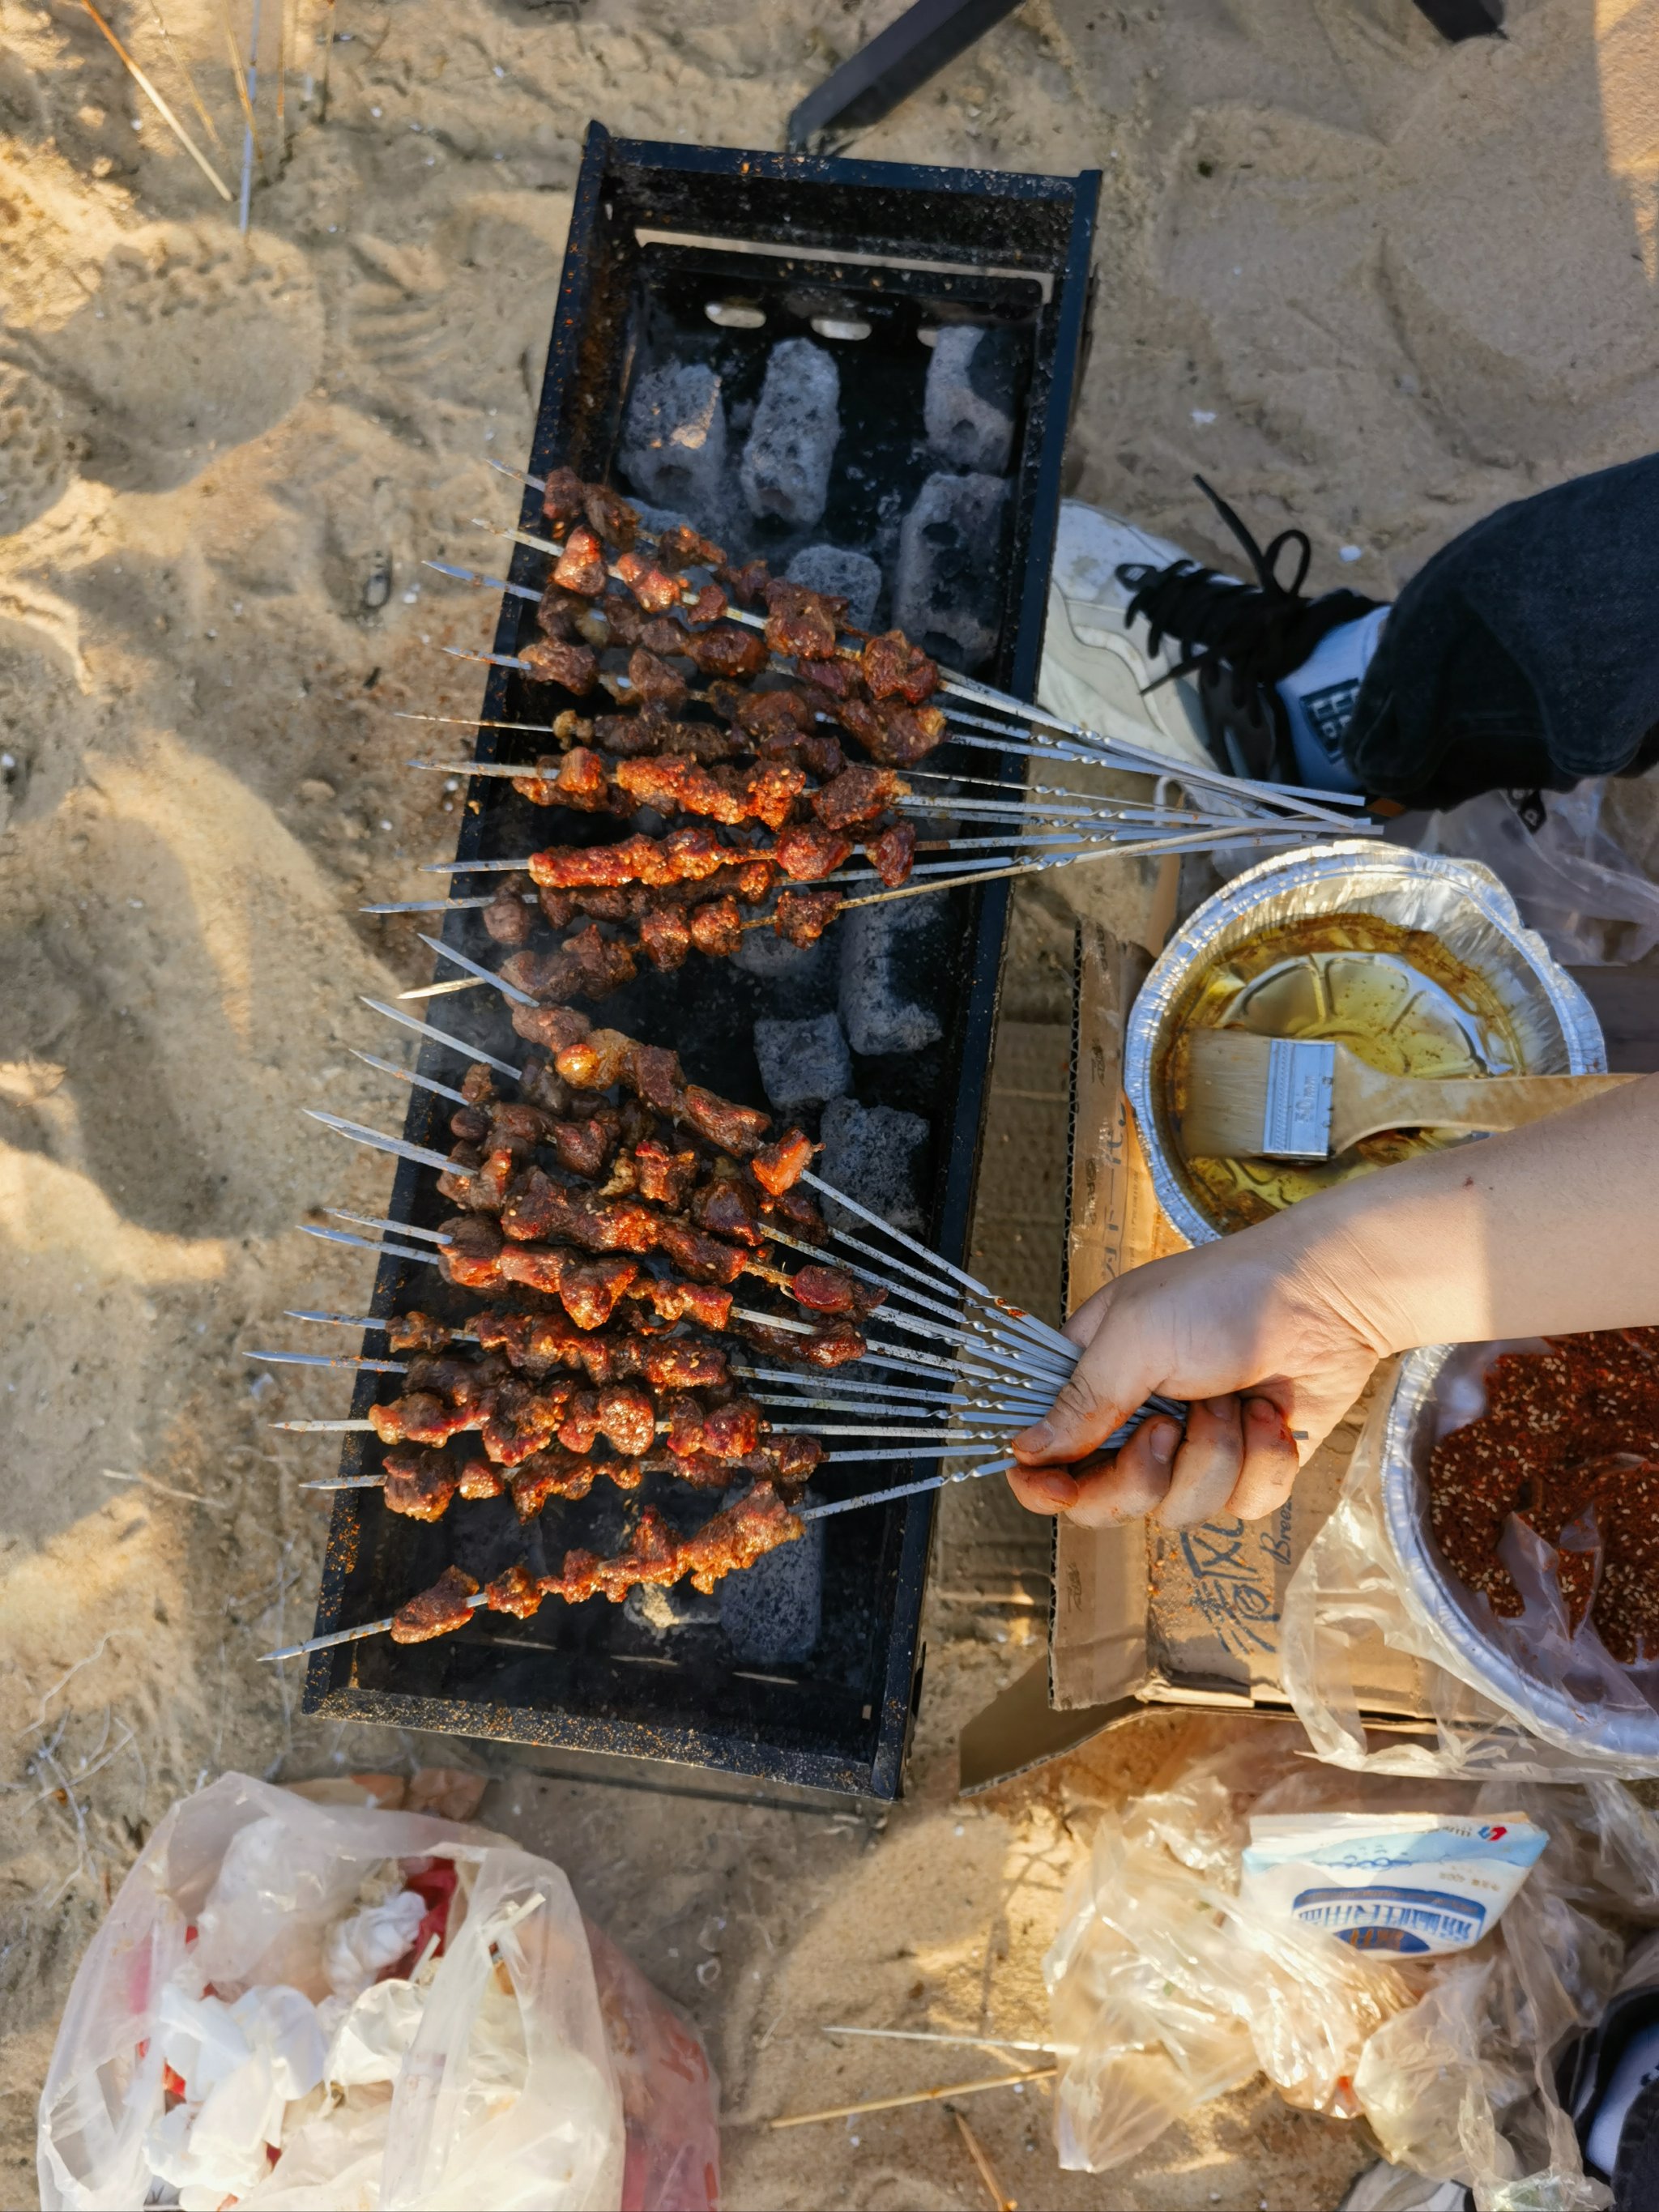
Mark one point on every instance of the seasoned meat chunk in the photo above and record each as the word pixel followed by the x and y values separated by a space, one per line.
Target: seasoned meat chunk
pixel 727 649
pixel 420 1484
pixel 507 917
pixel 717 928
pixel 745 584
pixel 610 514
pixel 653 587
pixel 909 734
pixel 802 917
pixel 436 1611
pixel 479 1479
pixel 586 1146
pixel 857 795
pixel 417 1331
pixel 627 1417
pixel 518 1591
pixel 551 661
pixel 833 1291
pixel 801 621
pixel 665 940
pixel 731 1430
pixel 893 854
pixel 893 668
pixel 739 1130
pixel 654 682
pixel 778 1167
pixel 682 548
pixel 809 852
pixel 564 498
pixel 558 612
pixel 581 567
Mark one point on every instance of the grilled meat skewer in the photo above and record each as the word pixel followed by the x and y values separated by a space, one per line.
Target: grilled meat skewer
pixel 731 1540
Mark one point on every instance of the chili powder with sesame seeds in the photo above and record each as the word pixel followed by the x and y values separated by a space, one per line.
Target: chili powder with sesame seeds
pixel 1566 1434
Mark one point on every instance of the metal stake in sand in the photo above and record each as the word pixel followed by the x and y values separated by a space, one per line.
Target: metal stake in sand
pixel 250 134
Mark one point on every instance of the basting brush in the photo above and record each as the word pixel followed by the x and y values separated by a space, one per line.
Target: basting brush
pixel 1300 1098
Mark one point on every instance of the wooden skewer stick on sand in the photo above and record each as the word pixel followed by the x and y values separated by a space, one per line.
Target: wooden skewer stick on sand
pixel 914 2097
pixel 281 84
pixel 994 2188
pixel 183 68
pixel 160 106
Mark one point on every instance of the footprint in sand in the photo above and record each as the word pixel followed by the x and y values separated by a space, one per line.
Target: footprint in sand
pixel 37 451
pixel 460 319
pixel 43 725
pixel 196 341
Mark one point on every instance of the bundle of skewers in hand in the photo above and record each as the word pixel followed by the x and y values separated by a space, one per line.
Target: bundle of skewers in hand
pixel 782 756
pixel 681 1297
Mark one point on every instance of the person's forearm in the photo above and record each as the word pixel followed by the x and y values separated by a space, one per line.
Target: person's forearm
pixel 1553 1229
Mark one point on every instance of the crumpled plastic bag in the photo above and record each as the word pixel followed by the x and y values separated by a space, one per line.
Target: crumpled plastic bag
pixel 1172 1992
pixel 1572 880
pixel 206 2048
pixel 1352 1592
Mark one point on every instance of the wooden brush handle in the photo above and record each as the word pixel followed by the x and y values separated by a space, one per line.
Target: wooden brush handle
pixel 1495 1101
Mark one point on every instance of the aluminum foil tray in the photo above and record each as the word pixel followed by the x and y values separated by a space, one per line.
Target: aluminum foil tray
pixel 1420 964
pixel 1610 1709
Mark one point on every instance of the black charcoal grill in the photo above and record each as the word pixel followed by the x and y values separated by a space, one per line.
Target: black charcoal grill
pixel 814 247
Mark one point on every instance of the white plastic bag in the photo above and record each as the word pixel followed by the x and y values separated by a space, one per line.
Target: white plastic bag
pixel 1573 882
pixel 1521 1698
pixel 482 2075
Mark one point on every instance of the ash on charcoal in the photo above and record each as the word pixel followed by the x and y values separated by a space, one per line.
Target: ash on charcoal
pixel 968 404
pixel 770 958
pixel 949 578
pixel 843 575
pixel 662 1611
pixel 888 956
pixel 656 519
pixel 870 1152
pixel 772 1611
pixel 802 1063
pixel 674 440
pixel 785 471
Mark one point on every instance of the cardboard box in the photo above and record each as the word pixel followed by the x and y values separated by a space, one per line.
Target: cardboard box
pixel 1140 1616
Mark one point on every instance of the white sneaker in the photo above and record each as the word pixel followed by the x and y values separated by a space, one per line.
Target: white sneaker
pixel 1096 664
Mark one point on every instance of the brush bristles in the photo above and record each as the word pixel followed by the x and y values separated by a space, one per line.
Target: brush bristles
pixel 1249 1096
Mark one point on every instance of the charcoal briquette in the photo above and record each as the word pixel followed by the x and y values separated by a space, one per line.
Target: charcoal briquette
pixel 843 575
pixel 949 580
pixel 969 404
pixel 785 470
pixel 802 1063
pixel 674 439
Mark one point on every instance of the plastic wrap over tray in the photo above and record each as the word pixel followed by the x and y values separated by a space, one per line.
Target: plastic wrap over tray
pixel 1452 982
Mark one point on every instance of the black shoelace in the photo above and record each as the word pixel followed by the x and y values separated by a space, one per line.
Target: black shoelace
pixel 1254 634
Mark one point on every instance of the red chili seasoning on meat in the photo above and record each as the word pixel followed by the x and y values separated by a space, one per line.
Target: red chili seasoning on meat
pixel 1567 1434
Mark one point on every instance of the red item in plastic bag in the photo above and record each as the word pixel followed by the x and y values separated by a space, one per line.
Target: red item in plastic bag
pixel 436 1884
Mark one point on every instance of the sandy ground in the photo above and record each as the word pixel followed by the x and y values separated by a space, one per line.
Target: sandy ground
pixel 1363 280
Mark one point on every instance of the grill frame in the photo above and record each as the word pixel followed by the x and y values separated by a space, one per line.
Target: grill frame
pixel 812 221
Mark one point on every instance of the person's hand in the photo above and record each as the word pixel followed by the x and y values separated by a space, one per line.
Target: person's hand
pixel 1255 1331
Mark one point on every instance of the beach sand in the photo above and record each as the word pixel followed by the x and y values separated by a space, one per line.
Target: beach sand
pixel 1365 282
